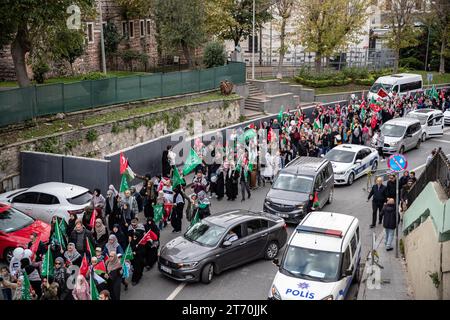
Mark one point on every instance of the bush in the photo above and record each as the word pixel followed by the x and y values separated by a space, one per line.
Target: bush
pixel 411 63
pixel 130 56
pixel 214 54
pixel 355 73
pixel 40 68
pixel 95 76
pixel 365 82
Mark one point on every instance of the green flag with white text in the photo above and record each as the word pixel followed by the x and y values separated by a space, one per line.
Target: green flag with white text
pixel 158 212
pixel 177 180
pixel 124 184
pixel 47 264
pixel 192 161
pixel 26 287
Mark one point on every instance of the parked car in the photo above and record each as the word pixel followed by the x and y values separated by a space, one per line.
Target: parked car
pixel 220 242
pixel 291 189
pixel 16 229
pixel 43 201
pixel 321 259
pixel 401 134
pixel 351 161
pixel 447 117
pixel 431 120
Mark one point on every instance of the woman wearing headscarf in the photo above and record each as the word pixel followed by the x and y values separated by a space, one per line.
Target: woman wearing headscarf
pixel 121 238
pixel 60 276
pixel 151 248
pixel 99 275
pixel 112 209
pixel 138 259
pixel 81 290
pixel 33 275
pixel 112 246
pixel 72 256
pixel 114 275
pixel 17 288
pixel 100 233
pixel 177 213
pixel 98 202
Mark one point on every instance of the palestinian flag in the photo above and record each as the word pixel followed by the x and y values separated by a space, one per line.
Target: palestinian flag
pixel 316 203
pixel 26 288
pixel 93 287
pixel 90 248
pixel 177 180
pixel 123 163
pixel 84 268
pixel 57 236
pixel 317 124
pixel 127 173
pixel 47 264
pixel 100 268
pixel 192 161
pixel 150 235
pixel 158 212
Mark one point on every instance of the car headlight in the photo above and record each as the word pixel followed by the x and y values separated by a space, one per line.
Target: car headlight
pixel 330 297
pixel 393 144
pixel 299 206
pixel 340 172
pixel 275 294
pixel 187 265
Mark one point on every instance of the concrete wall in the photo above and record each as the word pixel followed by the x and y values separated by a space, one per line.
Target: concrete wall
pixel 269 87
pixel 274 102
pixel 338 96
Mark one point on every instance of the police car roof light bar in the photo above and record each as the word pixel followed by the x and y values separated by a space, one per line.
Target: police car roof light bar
pixel 329 232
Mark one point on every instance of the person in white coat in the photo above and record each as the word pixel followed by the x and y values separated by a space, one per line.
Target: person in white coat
pixel 268 169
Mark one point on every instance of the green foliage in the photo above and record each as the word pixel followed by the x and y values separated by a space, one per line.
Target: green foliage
pixel 48 145
pixel 241 118
pixel 134 8
pixel 116 128
pixel 412 63
pixel 94 76
pixel 112 38
pixel 40 68
pixel 214 54
pixel 402 247
pixel 191 123
pixel 69 145
pixel 69 45
pixel 435 279
pixel 129 56
pixel 91 135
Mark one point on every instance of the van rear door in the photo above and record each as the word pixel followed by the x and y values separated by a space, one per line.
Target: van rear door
pixel 436 125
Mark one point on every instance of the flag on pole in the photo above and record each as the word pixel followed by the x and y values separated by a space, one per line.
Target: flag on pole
pixel 93 287
pixel 177 180
pixel 196 218
pixel 90 247
pixel 123 163
pixel 158 212
pixel 316 202
pixel 317 124
pixel 150 235
pixel 92 221
pixel 434 93
pixel 280 114
pixel 100 267
pixel 84 268
pixel 63 226
pixel 124 184
pixel 47 264
pixel 26 288
pixel 192 161
pixel 57 236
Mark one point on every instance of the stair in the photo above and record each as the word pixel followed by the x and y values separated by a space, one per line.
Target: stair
pixel 253 104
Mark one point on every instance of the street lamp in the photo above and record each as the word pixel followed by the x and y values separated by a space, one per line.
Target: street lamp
pixel 253 40
pixel 102 39
pixel 418 25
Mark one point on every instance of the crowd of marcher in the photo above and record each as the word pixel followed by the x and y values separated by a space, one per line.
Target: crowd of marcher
pixel 109 245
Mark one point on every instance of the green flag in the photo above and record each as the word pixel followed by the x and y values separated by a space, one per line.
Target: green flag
pixel 124 184
pixel 57 236
pixel 26 287
pixel 63 226
pixel 434 93
pixel 280 114
pixel 192 161
pixel 47 264
pixel 249 134
pixel 90 247
pixel 93 287
pixel 317 124
pixel 177 180
pixel 158 212
pixel 128 255
pixel 196 218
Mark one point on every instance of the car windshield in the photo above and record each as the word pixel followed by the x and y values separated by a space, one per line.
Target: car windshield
pixel 340 156
pixel 204 233
pixel 421 117
pixel 81 199
pixel 12 220
pixel 377 86
pixel 390 130
pixel 311 264
pixel 292 182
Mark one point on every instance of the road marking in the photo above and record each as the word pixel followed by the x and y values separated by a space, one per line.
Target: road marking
pixel 443 141
pixel 176 291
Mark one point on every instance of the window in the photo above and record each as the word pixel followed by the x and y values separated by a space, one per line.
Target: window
pixel 253 226
pixel 131 29
pixel 250 44
pixel 27 197
pixel 124 28
pixel 81 199
pixel 149 26
pixel 12 220
pixel 319 182
pixel 436 121
pixel 47 199
pixel 142 28
pixel 395 88
pixel 90 32
pixel 346 260
pixel 360 155
pixel 357 232
pixel 353 244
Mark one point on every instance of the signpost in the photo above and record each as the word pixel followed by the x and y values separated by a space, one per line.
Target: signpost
pixel 397 163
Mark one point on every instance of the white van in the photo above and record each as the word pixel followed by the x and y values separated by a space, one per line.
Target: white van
pixel 321 259
pixel 401 84
pixel 431 120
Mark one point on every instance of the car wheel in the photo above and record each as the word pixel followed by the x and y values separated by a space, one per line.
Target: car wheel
pixel 8 255
pixel 207 273
pixel 271 250
pixel 374 166
pixel 330 196
pixel 402 150
pixel 418 144
pixel 351 178
pixel 424 137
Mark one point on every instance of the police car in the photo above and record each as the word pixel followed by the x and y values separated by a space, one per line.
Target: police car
pixel 321 259
pixel 351 161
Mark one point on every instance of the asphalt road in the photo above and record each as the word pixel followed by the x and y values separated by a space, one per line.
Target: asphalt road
pixel 253 281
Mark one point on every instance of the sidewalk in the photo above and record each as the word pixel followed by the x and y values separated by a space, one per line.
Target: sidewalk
pixel 389 280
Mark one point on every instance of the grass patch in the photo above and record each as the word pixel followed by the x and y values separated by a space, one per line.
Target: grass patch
pixel 346 88
pixel 437 77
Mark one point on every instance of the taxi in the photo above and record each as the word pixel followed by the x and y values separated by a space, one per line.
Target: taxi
pixel 351 161
pixel 321 259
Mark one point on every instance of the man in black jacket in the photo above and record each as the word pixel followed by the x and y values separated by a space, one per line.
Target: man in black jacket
pixel 391 187
pixel 389 222
pixel 79 236
pixel 379 198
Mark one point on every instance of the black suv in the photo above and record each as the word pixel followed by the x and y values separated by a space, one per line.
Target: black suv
pixel 290 191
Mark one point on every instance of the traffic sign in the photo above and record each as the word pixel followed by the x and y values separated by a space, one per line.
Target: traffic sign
pixel 397 163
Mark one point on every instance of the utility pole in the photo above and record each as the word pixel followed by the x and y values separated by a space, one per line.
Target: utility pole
pixel 428 45
pixel 253 40
pixel 102 39
pixel 397 214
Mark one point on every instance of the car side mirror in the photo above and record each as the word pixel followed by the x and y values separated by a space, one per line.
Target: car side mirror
pixel 226 244
pixel 408 135
pixel 348 272
pixel 358 161
pixel 276 262
pixel 319 189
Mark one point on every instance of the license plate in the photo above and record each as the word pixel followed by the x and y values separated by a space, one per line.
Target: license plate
pixel 283 215
pixel 167 270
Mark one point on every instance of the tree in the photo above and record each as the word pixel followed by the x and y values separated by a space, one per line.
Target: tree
pixel 326 25
pixel 25 24
pixel 284 11
pixel 135 8
pixel 181 25
pixel 233 19
pixel 441 10
pixel 402 33
pixel 69 45
pixel 214 54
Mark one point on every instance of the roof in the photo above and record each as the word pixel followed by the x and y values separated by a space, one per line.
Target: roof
pixel 59 189
pixel 393 78
pixel 403 121
pixel 324 220
pixel 426 111
pixel 227 218
pixel 304 164
pixel 351 147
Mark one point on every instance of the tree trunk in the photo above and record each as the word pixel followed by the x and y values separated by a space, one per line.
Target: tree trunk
pixel 19 48
pixel 187 54
pixel 442 57
pixel 396 60
pixel 318 62
pixel 282 48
